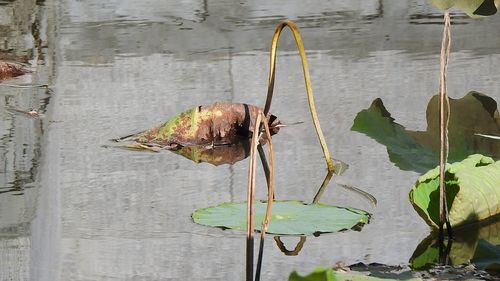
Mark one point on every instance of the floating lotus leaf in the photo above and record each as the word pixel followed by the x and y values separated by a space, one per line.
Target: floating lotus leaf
pixel 328 274
pixel 288 217
pixel 472 191
pixel 473 8
pixel 216 124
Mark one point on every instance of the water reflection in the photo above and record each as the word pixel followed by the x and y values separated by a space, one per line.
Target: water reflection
pixel 218 155
pixel 123 65
pixel 478 244
pixel 419 150
pixel 22 37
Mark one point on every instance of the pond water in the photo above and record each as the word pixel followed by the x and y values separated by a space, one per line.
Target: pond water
pixel 73 209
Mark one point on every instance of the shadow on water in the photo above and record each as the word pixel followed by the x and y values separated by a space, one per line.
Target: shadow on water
pixel 419 150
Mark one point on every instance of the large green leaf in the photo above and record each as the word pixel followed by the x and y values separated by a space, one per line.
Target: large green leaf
pixel 419 150
pixel 288 217
pixel 327 274
pixel 473 8
pixel 473 191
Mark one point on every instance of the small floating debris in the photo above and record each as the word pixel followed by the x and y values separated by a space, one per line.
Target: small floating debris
pixel 32 113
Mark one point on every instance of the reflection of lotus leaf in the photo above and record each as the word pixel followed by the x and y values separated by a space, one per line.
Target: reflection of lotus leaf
pixel 288 217
pixel 473 8
pixel 478 243
pixel 419 150
pixel 472 191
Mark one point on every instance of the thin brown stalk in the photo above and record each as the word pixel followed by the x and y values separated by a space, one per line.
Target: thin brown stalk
pixel 270 193
pixel 261 120
pixel 307 79
pixel 270 196
pixel 444 119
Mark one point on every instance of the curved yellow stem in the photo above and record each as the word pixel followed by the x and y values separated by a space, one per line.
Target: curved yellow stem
pixel 307 79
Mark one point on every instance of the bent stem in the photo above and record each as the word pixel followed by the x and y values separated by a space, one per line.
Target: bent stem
pixel 443 123
pixel 307 79
pixel 261 118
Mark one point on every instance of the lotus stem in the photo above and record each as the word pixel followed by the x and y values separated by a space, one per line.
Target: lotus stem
pixel 265 165
pixel 444 115
pixel 261 119
pixel 270 197
pixel 307 79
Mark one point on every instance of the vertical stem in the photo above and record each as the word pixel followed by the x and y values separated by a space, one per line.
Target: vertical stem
pixel 265 165
pixel 261 118
pixel 443 120
pixel 270 197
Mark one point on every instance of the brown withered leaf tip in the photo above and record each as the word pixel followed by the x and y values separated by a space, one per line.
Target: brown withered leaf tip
pixel 221 123
pixel 10 70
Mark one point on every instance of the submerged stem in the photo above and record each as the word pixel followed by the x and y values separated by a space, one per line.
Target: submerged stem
pixel 307 79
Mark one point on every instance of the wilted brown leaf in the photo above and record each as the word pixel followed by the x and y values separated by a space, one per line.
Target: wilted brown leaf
pixel 217 124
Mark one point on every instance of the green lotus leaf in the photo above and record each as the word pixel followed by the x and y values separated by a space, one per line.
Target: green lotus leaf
pixel 472 191
pixel 319 274
pixel 419 150
pixel 288 217
pixel 473 8
pixel 328 274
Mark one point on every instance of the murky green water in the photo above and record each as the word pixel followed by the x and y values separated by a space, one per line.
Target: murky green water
pixel 71 209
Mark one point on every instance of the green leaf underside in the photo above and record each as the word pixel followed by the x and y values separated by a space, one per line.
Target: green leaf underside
pixel 419 150
pixel 472 191
pixel 473 8
pixel 327 274
pixel 288 217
